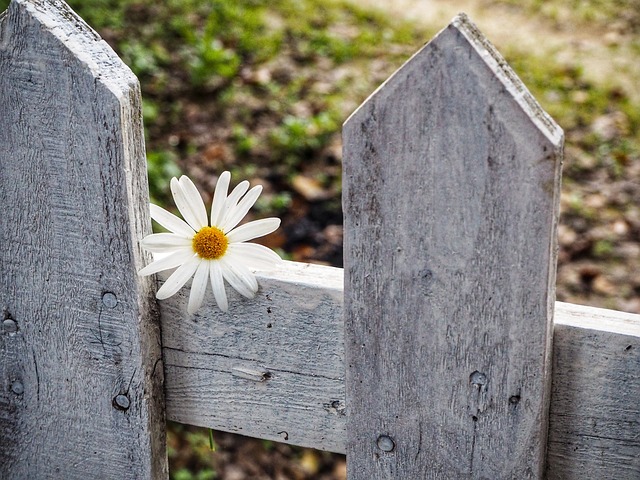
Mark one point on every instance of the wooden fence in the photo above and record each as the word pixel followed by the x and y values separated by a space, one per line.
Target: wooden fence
pixel 444 355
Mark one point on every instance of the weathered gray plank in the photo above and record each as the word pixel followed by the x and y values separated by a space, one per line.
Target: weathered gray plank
pixel 272 368
pixel 81 383
pixel 306 398
pixel 595 410
pixel 451 187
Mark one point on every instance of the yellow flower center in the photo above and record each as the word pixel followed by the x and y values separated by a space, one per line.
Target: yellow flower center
pixel 210 243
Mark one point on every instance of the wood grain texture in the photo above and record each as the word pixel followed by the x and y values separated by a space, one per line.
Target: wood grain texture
pixel 595 408
pixel 271 368
pixel 451 187
pixel 216 366
pixel 81 383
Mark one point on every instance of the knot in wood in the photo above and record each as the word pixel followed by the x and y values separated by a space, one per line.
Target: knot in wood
pixel 109 300
pixel 17 387
pixel 386 443
pixel 9 326
pixel 478 379
pixel 121 402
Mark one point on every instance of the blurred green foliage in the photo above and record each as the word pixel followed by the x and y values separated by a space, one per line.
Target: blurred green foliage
pixel 252 63
pixel 195 443
pixel 601 12
pixel 576 103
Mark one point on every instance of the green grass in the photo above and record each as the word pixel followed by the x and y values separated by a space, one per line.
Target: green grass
pixel 575 102
pixel 625 13
pixel 264 74
pixel 261 75
pixel 189 452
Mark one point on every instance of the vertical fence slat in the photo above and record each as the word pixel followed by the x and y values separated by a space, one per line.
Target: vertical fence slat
pixel 81 377
pixel 451 186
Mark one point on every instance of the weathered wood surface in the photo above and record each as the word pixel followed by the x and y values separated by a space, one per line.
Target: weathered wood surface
pixel 89 402
pixel 271 368
pixel 215 366
pixel 81 377
pixel 595 409
pixel 451 176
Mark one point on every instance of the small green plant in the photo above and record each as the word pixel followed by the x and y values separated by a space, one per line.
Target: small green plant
pixel 602 248
pixel 212 60
pixel 295 137
pixel 186 474
pixel 161 168
pixel 190 453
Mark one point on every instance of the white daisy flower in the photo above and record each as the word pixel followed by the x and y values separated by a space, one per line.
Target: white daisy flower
pixel 216 250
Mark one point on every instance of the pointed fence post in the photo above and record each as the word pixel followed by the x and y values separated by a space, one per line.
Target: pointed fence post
pixel 451 188
pixel 80 372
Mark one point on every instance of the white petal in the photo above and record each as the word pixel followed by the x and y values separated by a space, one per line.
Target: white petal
pixel 164 242
pixel 219 197
pixel 237 213
pixel 170 261
pixel 255 229
pixel 178 278
pixel 182 202
pixel 194 200
pixel 169 221
pixel 198 286
pixel 217 283
pixel 232 200
pixel 253 256
pixel 239 277
pixel 161 255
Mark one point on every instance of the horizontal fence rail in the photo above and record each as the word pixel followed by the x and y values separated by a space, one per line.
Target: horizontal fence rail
pixel 274 369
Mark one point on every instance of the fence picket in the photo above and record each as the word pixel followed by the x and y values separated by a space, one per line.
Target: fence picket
pixel 451 187
pixel 81 378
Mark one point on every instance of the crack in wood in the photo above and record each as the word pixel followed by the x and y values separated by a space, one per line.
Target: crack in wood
pixel 303 374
